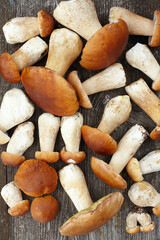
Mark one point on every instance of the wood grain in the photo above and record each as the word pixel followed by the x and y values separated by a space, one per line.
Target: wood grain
pixel 25 228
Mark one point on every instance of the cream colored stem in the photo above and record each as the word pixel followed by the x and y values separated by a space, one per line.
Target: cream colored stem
pixel 150 163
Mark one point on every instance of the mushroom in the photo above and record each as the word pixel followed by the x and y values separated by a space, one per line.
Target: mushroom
pixel 143 194
pixel 80 16
pixel 116 112
pixel 127 147
pixel 141 57
pixel 48 126
pixel 4 138
pixel 64 47
pixel 15 109
pixel 110 78
pixel 138 25
pixel 142 95
pixel 139 215
pixel 90 217
pixel 44 209
pixel 155 134
pixel 13 197
pixel 36 178
pixel 20 29
pixel 50 91
pixel 20 141
pixel 30 53
pixel 71 134
pixel 148 164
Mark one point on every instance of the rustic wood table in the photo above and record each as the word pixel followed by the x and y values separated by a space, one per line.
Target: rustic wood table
pixel 26 228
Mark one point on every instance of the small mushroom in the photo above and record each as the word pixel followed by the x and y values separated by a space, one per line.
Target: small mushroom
pixel 139 215
pixel 44 209
pixel 13 197
pixel 116 112
pixel 127 147
pixel 4 138
pixel 36 178
pixel 155 134
pixel 90 217
pixel 141 57
pixel 15 109
pixel 64 47
pixel 148 164
pixel 48 126
pixel 110 78
pixel 20 29
pixel 138 25
pixel 143 194
pixel 71 134
pixel 30 53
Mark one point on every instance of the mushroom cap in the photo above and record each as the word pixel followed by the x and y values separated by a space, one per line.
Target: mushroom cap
pixel 50 157
pixel 91 219
pixel 134 170
pixel 99 142
pixel 46 23
pixel 35 178
pixel 19 209
pixel 8 68
pixel 154 41
pixel 70 157
pixel 83 98
pixel 156 210
pixel 133 230
pixel 155 134
pixel 107 174
pixel 50 91
pixel 105 46
pixel 44 209
pixel 148 228
pixel 10 159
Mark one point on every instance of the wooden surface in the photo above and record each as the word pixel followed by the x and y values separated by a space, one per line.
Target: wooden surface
pixel 25 228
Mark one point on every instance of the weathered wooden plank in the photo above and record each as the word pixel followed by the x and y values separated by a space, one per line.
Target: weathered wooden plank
pixel 25 227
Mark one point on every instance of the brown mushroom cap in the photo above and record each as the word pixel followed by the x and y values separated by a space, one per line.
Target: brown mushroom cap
pixel 35 178
pixel 154 41
pixel 134 170
pixel 20 209
pixel 46 23
pixel 94 217
pixel 44 209
pixel 156 210
pixel 155 134
pixel 148 228
pixel 50 91
pixel 99 142
pixel 105 46
pixel 133 230
pixel 10 159
pixel 76 157
pixel 8 68
pixel 50 157
pixel 107 174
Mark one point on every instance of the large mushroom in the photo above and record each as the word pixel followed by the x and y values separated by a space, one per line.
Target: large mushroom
pixel 105 44
pixel 20 29
pixel 138 25
pixel 116 112
pixel 127 147
pixel 90 217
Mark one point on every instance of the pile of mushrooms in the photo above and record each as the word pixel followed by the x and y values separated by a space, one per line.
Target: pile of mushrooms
pixel 61 96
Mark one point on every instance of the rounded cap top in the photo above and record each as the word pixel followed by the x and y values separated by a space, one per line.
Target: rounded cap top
pixel 70 157
pixel 10 159
pixel 134 170
pixel 35 178
pixel 154 41
pixel 19 209
pixel 46 23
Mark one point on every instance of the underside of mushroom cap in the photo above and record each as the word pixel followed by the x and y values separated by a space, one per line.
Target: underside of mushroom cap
pixel 46 23
pixel 20 209
pixel 70 157
pixel 99 142
pixel 154 41
pixel 8 68
pixel 50 157
pixel 91 219
pixel 107 174
pixel 105 46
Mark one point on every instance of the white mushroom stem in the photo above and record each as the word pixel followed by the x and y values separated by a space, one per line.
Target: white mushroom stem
pixel 78 15
pixel 116 111
pixel 144 219
pixel 11 194
pixel 71 131
pixel 110 78
pixel 74 183
pixel 141 57
pixel 4 138
pixel 127 147
pixel 21 139
pixel 150 163
pixel 142 95
pixel 48 126
pixel 30 53
pixel 131 220
pixel 64 47
pixel 137 25
pixel 15 109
